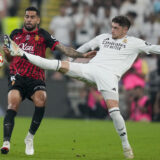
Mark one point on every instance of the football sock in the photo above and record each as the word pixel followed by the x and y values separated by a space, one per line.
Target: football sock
pixel 36 120
pixel 8 124
pixel 119 125
pixel 42 62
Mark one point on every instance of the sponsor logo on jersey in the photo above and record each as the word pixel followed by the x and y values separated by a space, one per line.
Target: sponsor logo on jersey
pixel 18 37
pixel 125 40
pixel 28 37
pixel 113 45
pixel 148 44
pixel 114 89
pixel 36 38
pixel 25 47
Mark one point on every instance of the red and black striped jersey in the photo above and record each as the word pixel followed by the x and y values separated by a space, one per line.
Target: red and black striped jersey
pixel 35 43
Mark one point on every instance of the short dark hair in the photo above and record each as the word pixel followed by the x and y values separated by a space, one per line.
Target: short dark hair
pixel 33 9
pixel 122 21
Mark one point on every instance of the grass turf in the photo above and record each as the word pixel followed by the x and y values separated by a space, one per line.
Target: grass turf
pixel 70 139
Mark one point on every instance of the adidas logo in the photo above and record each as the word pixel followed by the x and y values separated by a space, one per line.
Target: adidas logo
pixel 123 134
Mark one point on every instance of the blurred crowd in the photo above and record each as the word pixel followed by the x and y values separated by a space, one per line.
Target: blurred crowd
pixel 81 20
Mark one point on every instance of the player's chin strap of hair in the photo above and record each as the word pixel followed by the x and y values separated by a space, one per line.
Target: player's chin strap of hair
pixel 58 65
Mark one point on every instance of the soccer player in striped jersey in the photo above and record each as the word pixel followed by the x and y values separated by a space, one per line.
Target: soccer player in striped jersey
pixel 27 80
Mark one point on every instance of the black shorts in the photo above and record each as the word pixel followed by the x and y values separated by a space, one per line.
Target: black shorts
pixel 27 86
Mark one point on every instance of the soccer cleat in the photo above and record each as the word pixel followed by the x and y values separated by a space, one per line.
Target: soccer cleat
pixel 29 146
pixel 128 153
pixel 12 46
pixel 6 147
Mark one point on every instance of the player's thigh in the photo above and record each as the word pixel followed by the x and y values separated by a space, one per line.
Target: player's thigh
pixel 108 85
pixel 106 80
pixel 81 71
pixel 36 91
pixel 14 99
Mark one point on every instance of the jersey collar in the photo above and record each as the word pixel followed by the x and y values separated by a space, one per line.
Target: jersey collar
pixel 35 31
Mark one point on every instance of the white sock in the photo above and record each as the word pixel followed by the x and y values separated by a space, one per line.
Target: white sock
pixel 43 63
pixel 119 125
pixel 74 70
pixel 29 136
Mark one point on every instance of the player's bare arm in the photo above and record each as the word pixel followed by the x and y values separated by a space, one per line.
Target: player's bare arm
pixel 70 52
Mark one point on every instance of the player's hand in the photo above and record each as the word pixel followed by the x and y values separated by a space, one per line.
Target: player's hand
pixel 7 54
pixel 90 54
pixel 6 50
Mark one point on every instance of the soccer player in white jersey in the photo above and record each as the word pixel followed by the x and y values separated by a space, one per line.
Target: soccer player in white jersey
pixel 116 54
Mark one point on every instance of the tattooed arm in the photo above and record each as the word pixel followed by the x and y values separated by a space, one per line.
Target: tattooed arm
pixel 70 52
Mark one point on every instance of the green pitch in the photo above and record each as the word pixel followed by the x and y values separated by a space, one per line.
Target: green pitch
pixel 63 139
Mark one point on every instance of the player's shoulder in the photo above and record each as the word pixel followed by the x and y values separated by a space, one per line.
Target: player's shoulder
pixel 134 40
pixel 42 31
pixel 15 32
pixel 104 35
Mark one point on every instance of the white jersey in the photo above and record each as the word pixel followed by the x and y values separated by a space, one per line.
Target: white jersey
pixel 117 55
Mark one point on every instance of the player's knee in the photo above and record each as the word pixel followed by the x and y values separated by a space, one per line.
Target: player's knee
pixel 14 99
pixel 112 103
pixel 39 98
pixel 13 106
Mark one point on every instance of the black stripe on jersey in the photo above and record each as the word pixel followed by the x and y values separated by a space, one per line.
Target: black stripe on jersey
pixel 14 32
pixel 28 69
pixel 49 41
pixel 21 64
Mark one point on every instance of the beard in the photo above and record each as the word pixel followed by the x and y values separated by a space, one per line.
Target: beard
pixel 29 28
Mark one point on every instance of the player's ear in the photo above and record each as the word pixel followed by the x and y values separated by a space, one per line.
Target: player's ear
pixel 38 22
pixel 125 29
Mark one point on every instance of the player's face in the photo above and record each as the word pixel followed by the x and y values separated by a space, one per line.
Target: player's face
pixel 118 31
pixel 31 20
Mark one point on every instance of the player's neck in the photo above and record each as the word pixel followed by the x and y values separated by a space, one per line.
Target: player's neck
pixel 120 37
pixel 30 30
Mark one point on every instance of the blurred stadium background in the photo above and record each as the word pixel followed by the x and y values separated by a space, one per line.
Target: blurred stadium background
pixel 74 22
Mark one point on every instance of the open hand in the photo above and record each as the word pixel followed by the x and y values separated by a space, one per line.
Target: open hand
pixel 90 54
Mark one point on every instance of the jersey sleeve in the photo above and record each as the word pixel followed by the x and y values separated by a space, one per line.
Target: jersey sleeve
pixel 91 45
pixel 14 32
pixel 146 47
pixel 50 40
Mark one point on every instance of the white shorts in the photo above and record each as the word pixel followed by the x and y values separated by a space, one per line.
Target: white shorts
pixel 106 82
